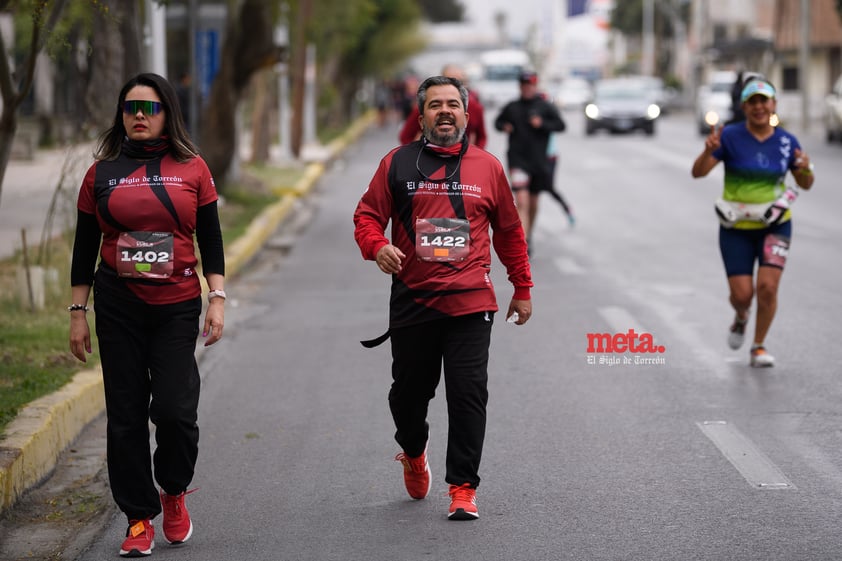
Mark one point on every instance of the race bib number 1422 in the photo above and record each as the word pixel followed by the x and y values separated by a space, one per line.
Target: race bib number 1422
pixel 442 239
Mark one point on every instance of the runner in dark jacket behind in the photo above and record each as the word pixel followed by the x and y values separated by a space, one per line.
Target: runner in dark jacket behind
pixel 529 121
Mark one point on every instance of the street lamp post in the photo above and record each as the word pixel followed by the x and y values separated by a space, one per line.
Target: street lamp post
pixel 648 55
pixel 804 65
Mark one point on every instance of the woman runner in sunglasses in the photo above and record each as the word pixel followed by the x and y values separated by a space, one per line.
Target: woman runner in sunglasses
pixel 141 202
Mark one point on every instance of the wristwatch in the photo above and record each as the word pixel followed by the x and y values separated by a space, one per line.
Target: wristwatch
pixel 216 294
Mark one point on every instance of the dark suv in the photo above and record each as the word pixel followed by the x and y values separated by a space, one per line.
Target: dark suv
pixel 622 105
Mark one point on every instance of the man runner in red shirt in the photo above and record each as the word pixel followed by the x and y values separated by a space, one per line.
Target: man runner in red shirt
pixel 442 195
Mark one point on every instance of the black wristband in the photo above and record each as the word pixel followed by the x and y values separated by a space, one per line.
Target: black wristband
pixel 75 307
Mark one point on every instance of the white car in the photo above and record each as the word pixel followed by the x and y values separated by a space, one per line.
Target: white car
pixel 498 81
pixel 573 93
pixel 713 101
pixel 833 112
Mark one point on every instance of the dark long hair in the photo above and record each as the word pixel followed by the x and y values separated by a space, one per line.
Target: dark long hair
pixel 182 147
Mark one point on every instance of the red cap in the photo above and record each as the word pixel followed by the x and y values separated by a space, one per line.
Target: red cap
pixel 528 77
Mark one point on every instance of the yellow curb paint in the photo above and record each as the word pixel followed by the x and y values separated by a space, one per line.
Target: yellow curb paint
pixel 33 441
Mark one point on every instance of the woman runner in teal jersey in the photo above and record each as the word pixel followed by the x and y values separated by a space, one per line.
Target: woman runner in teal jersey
pixel 754 209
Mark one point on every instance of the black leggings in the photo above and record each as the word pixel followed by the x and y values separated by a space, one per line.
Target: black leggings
pixel 150 373
pixel 461 344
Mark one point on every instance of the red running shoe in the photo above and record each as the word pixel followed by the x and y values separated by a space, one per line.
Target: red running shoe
pixel 416 474
pixel 177 524
pixel 140 539
pixel 463 502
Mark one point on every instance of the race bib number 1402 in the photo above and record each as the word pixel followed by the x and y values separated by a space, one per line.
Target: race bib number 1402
pixel 145 255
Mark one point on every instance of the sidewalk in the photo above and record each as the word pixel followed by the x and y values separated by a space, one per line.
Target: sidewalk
pixel 28 190
pixel 32 443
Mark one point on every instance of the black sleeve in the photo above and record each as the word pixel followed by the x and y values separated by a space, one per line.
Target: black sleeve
pixel 553 121
pixel 502 118
pixel 85 249
pixel 209 236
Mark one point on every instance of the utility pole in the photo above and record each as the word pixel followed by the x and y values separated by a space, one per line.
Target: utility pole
pixel 804 65
pixel 282 68
pixel 193 69
pixel 298 69
pixel 155 38
pixel 647 65
pixel 699 15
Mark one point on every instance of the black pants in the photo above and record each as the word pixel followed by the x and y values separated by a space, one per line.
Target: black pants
pixel 418 351
pixel 150 373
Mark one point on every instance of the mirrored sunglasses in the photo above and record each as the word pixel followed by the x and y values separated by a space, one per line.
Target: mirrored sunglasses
pixel 147 107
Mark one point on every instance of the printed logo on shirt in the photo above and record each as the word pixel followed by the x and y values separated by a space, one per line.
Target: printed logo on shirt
pixel 442 188
pixel 786 152
pixel 145 181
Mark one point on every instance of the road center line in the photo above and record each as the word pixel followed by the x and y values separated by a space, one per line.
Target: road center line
pixel 569 266
pixel 620 320
pixel 749 460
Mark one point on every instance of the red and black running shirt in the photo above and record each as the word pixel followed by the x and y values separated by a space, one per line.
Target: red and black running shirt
pixel 415 182
pixel 158 195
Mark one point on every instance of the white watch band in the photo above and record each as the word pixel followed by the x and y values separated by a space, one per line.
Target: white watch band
pixel 216 294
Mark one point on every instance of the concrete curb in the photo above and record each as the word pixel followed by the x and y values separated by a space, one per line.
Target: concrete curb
pixel 43 429
pixel 33 441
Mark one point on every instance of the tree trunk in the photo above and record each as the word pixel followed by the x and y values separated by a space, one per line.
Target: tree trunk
pixel 8 126
pixel 298 71
pixel 14 93
pixel 248 46
pixel 260 117
pixel 115 52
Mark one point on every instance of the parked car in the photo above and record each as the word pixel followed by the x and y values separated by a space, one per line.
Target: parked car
pixel 666 97
pixel 498 80
pixel 713 101
pixel 833 112
pixel 621 105
pixel 573 93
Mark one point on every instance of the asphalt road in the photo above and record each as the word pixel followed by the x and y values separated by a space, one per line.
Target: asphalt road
pixel 696 456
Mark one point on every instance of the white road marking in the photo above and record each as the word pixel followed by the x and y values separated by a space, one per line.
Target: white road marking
pixel 750 461
pixel 568 266
pixel 620 320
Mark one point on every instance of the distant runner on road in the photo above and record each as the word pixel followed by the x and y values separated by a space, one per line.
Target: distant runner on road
pixel 754 210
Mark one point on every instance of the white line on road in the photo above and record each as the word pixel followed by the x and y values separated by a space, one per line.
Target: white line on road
pixel 568 266
pixel 620 320
pixel 749 460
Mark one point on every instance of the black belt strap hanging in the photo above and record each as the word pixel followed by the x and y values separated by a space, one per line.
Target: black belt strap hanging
pixel 371 343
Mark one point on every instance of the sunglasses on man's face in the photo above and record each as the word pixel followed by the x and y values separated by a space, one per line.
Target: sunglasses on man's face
pixel 147 107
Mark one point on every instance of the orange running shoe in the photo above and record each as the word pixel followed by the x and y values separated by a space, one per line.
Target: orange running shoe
pixel 463 502
pixel 760 357
pixel 416 474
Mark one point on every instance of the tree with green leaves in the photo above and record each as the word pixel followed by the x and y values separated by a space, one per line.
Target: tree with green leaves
pixel 248 47
pixel 440 11
pixel 627 17
pixel 359 39
pixel 354 39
